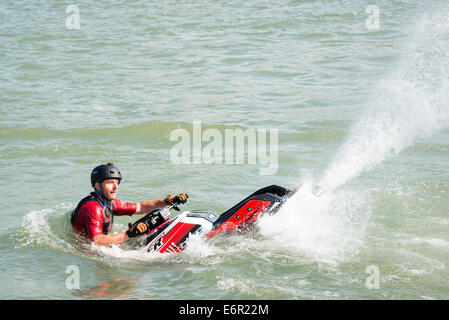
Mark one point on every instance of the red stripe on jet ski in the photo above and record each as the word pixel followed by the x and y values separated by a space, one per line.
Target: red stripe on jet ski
pixel 242 217
pixel 175 235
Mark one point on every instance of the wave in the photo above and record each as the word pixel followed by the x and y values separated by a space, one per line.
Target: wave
pixel 46 228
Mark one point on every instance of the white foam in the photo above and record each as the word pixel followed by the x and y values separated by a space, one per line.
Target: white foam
pixel 328 228
pixel 37 230
pixel 435 242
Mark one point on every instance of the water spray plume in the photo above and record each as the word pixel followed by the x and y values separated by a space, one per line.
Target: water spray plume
pixel 412 103
pixel 327 223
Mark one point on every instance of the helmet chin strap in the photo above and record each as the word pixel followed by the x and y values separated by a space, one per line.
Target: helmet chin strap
pixel 101 194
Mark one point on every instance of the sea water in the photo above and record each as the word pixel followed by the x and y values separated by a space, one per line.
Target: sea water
pixel 356 93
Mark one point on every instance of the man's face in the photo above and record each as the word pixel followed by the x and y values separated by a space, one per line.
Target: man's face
pixel 110 188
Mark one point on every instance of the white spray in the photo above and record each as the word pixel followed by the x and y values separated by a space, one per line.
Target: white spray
pixel 412 103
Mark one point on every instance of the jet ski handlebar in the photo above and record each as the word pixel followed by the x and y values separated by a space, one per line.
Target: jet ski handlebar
pixel 165 211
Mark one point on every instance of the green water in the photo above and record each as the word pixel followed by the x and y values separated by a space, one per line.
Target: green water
pixel 359 109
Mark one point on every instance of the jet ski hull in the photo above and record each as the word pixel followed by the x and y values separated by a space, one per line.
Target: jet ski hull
pixel 171 235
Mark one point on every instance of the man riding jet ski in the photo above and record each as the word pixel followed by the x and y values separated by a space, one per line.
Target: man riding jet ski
pixel 169 235
pixel 94 215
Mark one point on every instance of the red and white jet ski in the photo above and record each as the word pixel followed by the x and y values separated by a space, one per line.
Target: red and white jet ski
pixel 169 235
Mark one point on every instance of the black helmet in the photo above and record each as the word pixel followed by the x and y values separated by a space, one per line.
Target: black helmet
pixel 103 172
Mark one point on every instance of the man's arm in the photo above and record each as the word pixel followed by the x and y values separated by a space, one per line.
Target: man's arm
pixel 108 240
pixel 148 206
pixel 141 207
